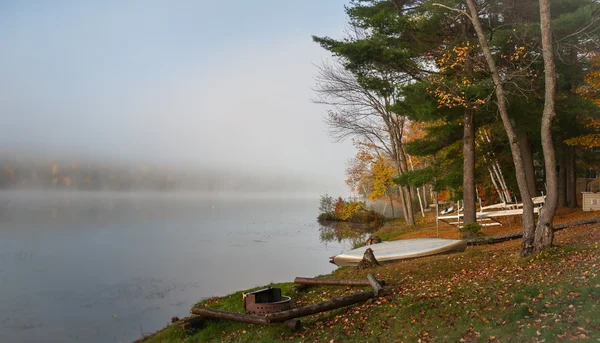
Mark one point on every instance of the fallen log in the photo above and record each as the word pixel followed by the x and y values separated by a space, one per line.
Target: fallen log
pixel 333 282
pixel 241 317
pixel 333 304
pixel 561 226
pixel 377 287
pixel 515 235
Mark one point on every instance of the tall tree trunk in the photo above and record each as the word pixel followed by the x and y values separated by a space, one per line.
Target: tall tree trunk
pixel 544 235
pixel 469 193
pixel 412 167
pixel 403 203
pixel 528 218
pixel 408 215
pixel 525 143
pixel 402 191
pixel 571 178
pixel 392 205
pixel 406 198
pixel 414 194
pixel 562 178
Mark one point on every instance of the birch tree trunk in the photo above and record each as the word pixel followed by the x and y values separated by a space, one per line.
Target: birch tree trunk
pixel 544 235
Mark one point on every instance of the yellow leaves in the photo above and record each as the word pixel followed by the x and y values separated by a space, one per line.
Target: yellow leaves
pixel 585 141
pixel 455 98
pixel 456 57
pixel 450 90
pixel 591 88
pixel 381 173
pixel 519 53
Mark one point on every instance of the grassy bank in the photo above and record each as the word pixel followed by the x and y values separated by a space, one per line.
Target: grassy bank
pixel 486 293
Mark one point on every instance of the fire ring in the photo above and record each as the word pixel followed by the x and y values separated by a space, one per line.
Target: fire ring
pixel 265 301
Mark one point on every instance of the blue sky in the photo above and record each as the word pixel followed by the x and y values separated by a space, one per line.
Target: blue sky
pixel 199 83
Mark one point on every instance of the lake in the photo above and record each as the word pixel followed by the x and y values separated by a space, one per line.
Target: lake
pixel 109 267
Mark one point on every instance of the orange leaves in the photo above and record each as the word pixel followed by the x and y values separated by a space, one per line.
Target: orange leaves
pixel 589 90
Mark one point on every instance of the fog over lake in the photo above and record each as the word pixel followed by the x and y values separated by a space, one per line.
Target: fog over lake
pixel 156 153
pixel 109 266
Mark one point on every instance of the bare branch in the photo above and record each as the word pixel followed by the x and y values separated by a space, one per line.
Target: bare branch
pixel 453 9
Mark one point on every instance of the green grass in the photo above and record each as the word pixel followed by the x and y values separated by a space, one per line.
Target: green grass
pixel 485 294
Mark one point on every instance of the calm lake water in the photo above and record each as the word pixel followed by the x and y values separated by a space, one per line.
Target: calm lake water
pixel 107 267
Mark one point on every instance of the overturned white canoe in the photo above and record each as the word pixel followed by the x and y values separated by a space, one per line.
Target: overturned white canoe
pixel 400 250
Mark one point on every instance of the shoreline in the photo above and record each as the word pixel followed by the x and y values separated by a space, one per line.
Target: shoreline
pixel 325 327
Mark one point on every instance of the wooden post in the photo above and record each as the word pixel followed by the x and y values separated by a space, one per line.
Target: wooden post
pixel 241 317
pixel 333 282
pixel 377 288
pixel 333 304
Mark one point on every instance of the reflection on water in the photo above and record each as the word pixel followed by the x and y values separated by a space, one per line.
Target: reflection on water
pixel 107 267
pixel 352 234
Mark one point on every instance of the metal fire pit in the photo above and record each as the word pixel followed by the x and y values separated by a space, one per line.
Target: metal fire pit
pixel 264 301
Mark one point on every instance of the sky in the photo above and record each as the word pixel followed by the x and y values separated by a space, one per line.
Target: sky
pixel 204 84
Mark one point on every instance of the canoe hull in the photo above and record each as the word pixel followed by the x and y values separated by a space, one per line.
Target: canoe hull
pixel 401 250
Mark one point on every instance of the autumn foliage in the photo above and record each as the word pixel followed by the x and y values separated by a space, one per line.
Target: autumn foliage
pixel 590 90
pixel 348 211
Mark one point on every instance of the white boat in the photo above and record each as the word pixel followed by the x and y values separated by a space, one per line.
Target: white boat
pixel 400 250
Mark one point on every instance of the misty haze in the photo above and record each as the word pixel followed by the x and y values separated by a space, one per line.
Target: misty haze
pixel 310 171
pixel 155 154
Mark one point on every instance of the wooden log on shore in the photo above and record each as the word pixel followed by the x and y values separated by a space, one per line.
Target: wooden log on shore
pixel 377 287
pixel 333 304
pixel 241 317
pixel 189 323
pixel 561 226
pixel 515 235
pixel 333 282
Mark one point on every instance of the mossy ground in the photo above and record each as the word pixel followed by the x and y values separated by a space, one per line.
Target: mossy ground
pixel 485 294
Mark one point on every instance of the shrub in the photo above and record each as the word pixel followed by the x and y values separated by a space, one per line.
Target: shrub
pixel 348 209
pixel 326 204
pixel 327 217
pixel 374 219
pixel 471 230
pixel 338 207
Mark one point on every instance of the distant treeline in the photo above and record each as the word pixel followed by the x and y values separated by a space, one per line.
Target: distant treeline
pixel 20 173
pixel 55 175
